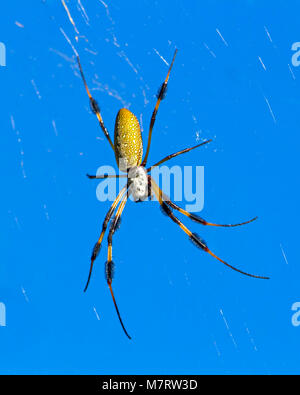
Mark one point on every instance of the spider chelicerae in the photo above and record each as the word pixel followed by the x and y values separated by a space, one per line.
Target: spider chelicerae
pixel 128 149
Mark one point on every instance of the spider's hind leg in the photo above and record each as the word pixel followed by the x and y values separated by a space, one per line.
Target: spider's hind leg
pixel 160 96
pixel 94 106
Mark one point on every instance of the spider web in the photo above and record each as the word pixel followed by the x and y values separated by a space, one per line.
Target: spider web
pixel 188 313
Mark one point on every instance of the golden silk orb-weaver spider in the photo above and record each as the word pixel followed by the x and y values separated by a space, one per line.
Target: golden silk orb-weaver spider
pixel 128 149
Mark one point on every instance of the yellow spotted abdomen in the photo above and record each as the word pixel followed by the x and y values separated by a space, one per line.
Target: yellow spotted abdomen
pixel 128 140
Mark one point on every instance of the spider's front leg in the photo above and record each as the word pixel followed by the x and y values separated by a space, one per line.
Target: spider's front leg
pixel 193 236
pixel 97 246
pixel 109 265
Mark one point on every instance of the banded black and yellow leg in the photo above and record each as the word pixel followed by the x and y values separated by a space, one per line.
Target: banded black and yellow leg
pixel 103 176
pixel 160 96
pixel 196 217
pixel 94 106
pixel 97 246
pixel 193 236
pixel 109 265
pixel 176 154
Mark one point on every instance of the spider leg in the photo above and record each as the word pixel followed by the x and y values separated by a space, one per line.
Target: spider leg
pixel 196 217
pixel 94 106
pixel 109 265
pixel 160 97
pixel 193 236
pixel 176 154
pixel 102 176
pixel 97 246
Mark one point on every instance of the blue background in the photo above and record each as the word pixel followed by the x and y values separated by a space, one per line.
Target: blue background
pixel 186 312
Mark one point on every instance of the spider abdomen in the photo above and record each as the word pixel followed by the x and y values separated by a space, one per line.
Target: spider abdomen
pixel 128 140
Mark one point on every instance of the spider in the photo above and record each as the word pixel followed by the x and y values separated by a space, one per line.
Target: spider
pixel 128 150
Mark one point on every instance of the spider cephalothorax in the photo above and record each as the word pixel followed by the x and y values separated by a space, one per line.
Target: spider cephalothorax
pixel 138 183
pixel 128 149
